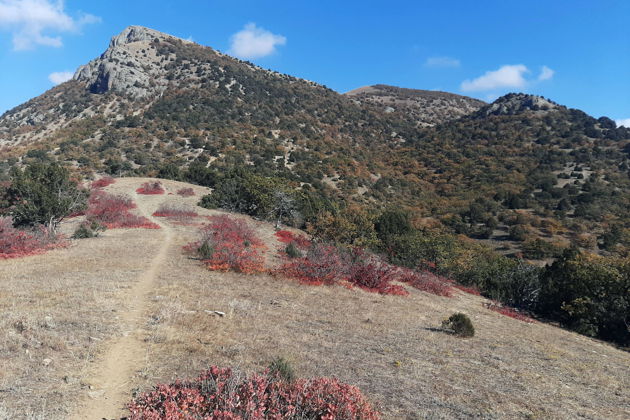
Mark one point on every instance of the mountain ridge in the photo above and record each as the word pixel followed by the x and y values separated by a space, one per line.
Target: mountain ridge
pixel 153 104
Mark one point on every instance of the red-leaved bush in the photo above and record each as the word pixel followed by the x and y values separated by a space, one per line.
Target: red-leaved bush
pixel 112 211
pixel 15 243
pixel 507 311
pixel 186 192
pixel 327 264
pixel 425 281
pixel 229 244
pixel 287 237
pixel 471 290
pixel 322 264
pixel 103 182
pixel 221 394
pixel 151 188
pixel 371 273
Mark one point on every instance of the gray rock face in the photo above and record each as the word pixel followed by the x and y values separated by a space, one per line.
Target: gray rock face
pixel 514 103
pixel 129 66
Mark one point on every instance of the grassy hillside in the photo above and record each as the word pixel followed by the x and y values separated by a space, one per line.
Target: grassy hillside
pixel 131 308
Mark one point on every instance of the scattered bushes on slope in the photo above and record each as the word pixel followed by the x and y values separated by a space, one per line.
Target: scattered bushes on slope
pixel 220 393
pixel 16 243
pixel 460 325
pixel 151 188
pixel 228 244
pixel 112 211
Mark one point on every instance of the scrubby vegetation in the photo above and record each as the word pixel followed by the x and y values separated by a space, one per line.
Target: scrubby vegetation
pixel 151 188
pixel 16 243
pixel 222 393
pixel 186 192
pixel 228 243
pixel 112 211
pixel 88 229
pixel 43 194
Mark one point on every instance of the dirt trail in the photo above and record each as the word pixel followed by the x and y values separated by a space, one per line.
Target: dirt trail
pixel 125 355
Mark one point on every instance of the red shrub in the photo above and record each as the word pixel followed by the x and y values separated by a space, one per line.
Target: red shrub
pixel 374 275
pixel 186 192
pixel 113 212
pixel 424 281
pixel 220 394
pixel 322 264
pixel 15 243
pixel 231 245
pixel 470 290
pixel 103 182
pixel 287 237
pixel 507 311
pixel 151 188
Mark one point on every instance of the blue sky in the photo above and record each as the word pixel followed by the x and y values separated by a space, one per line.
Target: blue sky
pixel 574 52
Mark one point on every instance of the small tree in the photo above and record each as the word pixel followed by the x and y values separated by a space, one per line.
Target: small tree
pixel 44 194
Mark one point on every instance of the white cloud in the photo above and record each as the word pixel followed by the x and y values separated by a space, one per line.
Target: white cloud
pixel 254 42
pixel 28 20
pixel 60 77
pixel 545 73
pixel 508 76
pixel 442 62
pixel 624 122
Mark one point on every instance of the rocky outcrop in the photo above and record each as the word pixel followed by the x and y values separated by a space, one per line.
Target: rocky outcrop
pixel 516 103
pixel 130 65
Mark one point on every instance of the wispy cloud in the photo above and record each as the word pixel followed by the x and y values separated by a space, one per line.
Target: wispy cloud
pixel 253 42
pixel 31 22
pixel 625 122
pixel 509 76
pixel 545 73
pixel 442 62
pixel 60 77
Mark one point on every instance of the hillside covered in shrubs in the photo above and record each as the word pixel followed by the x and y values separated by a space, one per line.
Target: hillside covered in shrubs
pixel 523 174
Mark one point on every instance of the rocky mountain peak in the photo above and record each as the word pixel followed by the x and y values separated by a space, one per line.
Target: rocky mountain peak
pixel 130 65
pixel 515 103
pixel 133 34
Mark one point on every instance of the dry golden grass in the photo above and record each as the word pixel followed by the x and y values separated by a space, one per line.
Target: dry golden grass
pixel 389 346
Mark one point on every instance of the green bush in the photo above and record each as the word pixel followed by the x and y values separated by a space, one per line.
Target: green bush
pixel 282 369
pixel 293 251
pixel 205 250
pixel 88 230
pixel 44 194
pixel 459 324
pixel 588 294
